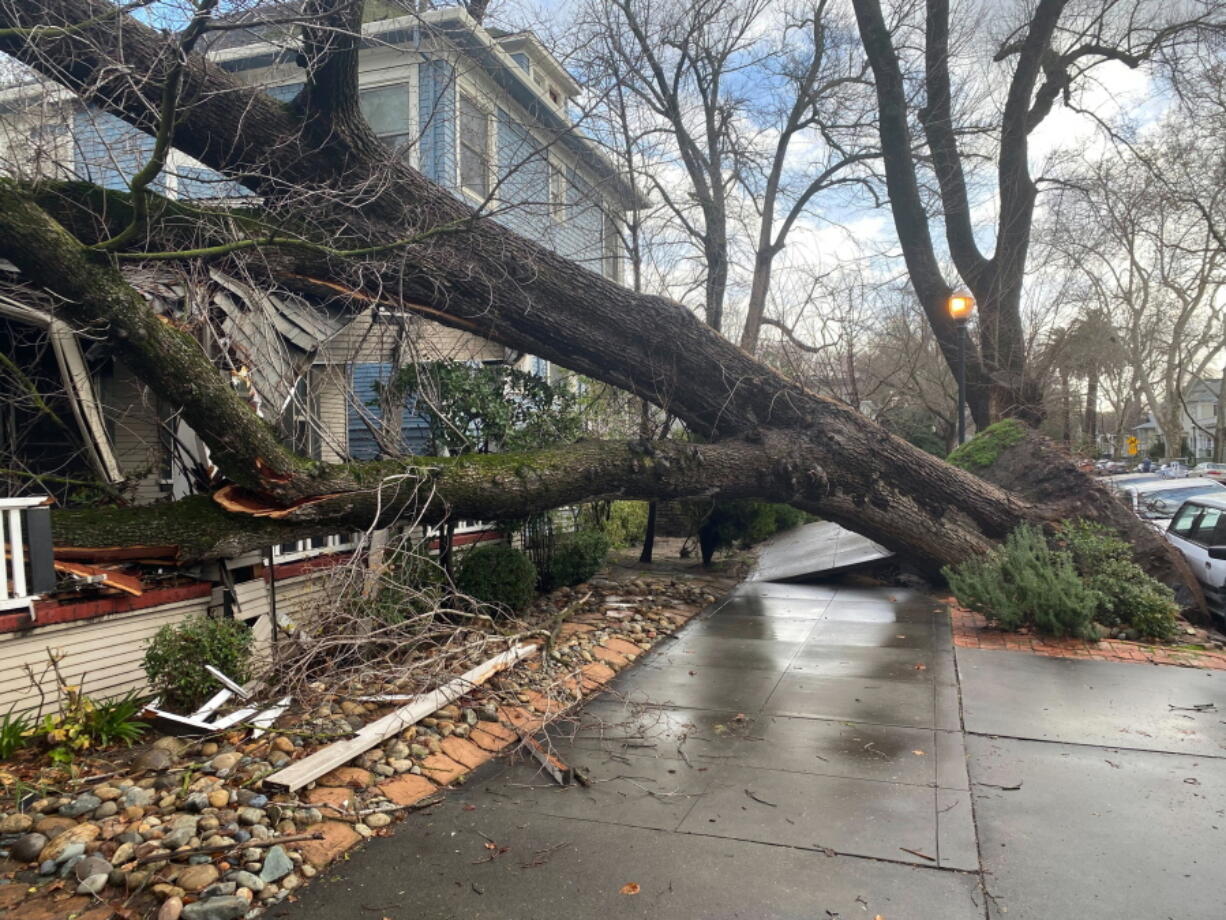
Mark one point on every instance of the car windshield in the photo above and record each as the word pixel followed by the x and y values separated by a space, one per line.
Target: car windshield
pixel 1156 506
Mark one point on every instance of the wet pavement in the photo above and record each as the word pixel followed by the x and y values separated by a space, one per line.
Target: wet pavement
pixel 1100 787
pixel 798 752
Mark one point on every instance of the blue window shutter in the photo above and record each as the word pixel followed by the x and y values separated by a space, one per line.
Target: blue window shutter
pixel 364 411
pixel 437 118
pixel 414 429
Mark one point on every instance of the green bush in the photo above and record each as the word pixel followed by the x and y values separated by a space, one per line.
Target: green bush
pixel 1127 596
pixel 498 574
pixel 1027 583
pixel 576 557
pixel 627 524
pixel 177 654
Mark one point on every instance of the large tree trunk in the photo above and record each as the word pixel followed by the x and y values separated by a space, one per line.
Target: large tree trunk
pixel 1091 424
pixel 321 170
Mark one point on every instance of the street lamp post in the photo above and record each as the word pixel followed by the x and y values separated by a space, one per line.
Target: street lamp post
pixel 961 305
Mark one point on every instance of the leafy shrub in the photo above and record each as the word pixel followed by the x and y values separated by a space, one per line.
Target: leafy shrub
pixel 177 654
pixel 1026 582
pixel 84 723
pixel 13 734
pixel 499 574
pixel 626 524
pixel 576 557
pixel 1127 596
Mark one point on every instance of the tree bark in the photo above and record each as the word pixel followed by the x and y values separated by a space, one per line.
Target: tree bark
pixel 1091 425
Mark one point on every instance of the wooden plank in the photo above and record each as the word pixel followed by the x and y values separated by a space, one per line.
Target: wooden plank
pixel 554 766
pixel 297 775
pixel 125 583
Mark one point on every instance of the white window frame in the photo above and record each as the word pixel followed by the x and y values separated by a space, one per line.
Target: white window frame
pixel 558 186
pixel 491 151
pixel 13 564
pixel 334 543
pixel 405 75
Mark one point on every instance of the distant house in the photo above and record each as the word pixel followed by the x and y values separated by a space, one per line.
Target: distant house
pixel 483 113
pixel 1198 418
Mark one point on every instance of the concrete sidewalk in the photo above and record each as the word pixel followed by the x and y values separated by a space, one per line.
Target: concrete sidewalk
pixel 1100 788
pixel 798 752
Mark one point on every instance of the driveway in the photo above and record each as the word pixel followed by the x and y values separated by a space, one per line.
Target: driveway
pixel 799 751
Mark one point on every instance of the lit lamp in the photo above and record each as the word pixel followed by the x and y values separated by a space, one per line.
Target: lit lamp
pixel 961 305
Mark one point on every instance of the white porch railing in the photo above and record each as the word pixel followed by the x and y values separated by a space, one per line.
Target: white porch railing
pixel 17 581
pixel 314 546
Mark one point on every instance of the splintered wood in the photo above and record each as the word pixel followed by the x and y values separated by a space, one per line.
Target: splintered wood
pixel 334 755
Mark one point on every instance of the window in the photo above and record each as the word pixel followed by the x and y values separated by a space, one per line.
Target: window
pixel 386 110
pixel 1185 521
pixel 1204 532
pixel 474 148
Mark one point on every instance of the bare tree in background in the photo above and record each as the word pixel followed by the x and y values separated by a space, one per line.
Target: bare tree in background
pixel 1158 277
pixel 762 105
pixel 1047 53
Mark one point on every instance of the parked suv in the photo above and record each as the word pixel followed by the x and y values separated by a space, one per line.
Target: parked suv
pixel 1198 530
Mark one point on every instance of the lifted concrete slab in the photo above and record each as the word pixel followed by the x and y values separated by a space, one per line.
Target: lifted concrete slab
pixel 815 550
pixel 1139 706
pixel 1096 833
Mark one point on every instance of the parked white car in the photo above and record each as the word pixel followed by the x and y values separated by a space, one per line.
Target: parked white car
pixel 1209 471
pixel 1198 530
pixel 1157 500
pixel 1123 480
pixel 1173 470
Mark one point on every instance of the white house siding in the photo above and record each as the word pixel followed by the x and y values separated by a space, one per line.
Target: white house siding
pixel 104 654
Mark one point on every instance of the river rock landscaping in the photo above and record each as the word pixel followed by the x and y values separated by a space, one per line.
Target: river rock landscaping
pixel 182 827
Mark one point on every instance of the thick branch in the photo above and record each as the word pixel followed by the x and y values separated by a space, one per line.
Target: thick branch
pixel 910 218
pixel 937 117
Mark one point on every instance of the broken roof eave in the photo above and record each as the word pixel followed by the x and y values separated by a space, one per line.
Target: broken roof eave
pixel 78 385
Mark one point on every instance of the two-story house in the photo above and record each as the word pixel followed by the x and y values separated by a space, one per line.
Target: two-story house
pixel 1198 420
pixel 484 113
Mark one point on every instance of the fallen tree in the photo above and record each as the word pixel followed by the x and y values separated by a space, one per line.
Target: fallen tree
pixel 369 228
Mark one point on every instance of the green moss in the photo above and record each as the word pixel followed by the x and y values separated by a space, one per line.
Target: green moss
pixel 985 448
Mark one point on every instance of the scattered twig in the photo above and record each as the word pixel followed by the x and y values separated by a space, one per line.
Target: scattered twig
pixel 759 799
pixel 1005 788
pixel 562 615
pixel 919 854
pixel 540 857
